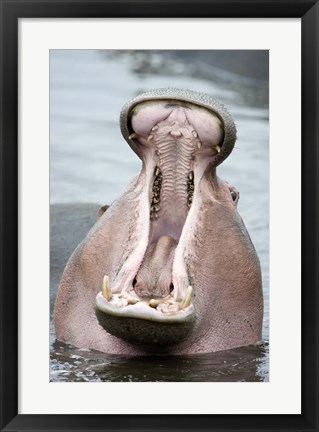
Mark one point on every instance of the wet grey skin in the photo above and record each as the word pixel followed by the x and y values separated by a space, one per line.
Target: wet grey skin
pixel 169 267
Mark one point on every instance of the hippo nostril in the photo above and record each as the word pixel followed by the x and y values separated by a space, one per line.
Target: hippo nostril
pixel 171 287
pixel 134 282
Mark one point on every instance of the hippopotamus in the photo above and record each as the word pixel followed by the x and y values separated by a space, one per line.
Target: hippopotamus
pixel 169 267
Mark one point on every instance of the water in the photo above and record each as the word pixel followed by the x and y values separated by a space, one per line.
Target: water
pixel 246 364
pixel 91 163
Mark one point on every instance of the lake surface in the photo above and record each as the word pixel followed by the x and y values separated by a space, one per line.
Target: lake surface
pixel 90 162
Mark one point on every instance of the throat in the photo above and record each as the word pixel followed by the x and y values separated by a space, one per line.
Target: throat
pixel 154 278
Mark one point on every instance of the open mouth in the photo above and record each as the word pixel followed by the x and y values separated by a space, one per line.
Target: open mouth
pixel 179 143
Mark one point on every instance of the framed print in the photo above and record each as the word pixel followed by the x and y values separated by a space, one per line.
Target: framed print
pixel 128 334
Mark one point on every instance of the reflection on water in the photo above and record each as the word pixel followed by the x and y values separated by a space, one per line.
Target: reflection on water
pixel 91 163
pixel 241 364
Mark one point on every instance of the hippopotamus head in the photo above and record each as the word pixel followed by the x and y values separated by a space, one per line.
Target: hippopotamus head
pixel 169 267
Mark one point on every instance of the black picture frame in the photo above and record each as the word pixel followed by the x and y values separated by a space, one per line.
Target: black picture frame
pixel 11 11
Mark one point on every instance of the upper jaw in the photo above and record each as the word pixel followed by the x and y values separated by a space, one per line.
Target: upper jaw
pixel 183 96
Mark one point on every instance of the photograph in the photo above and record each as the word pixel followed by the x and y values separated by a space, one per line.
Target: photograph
pixel 159 215
pixel 159 208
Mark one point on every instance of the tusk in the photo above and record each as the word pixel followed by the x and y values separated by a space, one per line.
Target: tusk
pixel 187 300
pixel 157 171
pixel 217 148
pixel 106 290
pixel 133 135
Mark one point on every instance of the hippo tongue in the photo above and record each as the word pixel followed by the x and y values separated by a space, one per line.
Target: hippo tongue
pixel 154 278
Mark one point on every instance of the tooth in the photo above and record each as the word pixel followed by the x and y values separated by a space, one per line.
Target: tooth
pixel 155 208
pixel 217 148
pixel 106 290
pixel 187 300
pixel 195 135
pixel 191 175
pixel 133 135
pixel 157 171
pixel 154 303
pixel 150 137
pixel 199 144
pixel 132 301
pixel 154 128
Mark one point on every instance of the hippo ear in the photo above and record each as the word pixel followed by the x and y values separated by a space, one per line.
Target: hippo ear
pixel 101 211
pixel 234 193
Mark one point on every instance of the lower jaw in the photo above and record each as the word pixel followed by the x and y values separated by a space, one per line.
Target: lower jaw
pixel 139 324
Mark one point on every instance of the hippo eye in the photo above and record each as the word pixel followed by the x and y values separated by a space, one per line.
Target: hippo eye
pixel 233 195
